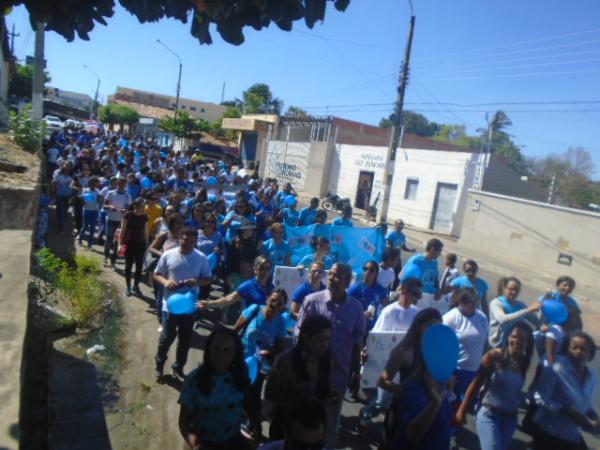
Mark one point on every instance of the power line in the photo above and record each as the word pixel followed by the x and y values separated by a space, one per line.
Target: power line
pixel 519 75
pixel 343 41
pixel 513 44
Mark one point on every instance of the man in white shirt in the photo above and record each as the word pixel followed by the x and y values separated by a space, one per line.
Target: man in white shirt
pixel 386 274
pixel 115 204
pixel 395 317
pixel 180 268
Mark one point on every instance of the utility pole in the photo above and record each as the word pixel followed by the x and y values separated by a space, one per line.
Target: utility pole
pixel 388 175
pixel 551 189
pixel 12 40
pixel 178 78
pixel 223 93
pixel 94 106
pixel 37 97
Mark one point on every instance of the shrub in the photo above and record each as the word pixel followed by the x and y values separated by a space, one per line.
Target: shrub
pixel 26 132
pixel 79 286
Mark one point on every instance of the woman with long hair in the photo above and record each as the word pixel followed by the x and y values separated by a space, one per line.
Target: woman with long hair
pixel 210 241
pixel 566 396
pixel 471 280
pixel 214 396
pixel 302 372
pixel 502 374
pixel 321 247
pixel 134 236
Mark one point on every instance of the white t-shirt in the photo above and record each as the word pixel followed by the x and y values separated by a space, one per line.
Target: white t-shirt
pixel 396 318
pixel 121 200
pixel 472 333
pixel 177 266
pixel 386 277
pixel 53 155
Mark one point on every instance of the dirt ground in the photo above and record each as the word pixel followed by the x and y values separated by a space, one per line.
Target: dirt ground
pixel 12 153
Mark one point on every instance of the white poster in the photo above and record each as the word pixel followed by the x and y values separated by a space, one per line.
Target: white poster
pixel 289 278
pixel 379 346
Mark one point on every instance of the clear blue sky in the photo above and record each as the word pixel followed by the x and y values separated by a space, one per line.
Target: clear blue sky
pixel 466 53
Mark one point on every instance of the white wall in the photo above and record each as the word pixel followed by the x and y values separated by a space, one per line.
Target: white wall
pixel 288 162
pixel 430 167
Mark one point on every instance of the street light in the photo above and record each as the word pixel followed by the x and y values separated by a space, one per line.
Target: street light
pixel 95 104
pixel 178 78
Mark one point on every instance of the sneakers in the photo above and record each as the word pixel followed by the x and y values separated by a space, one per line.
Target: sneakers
pixel 178 374
pixel 136 290
pixel 158 373
pixel 128 292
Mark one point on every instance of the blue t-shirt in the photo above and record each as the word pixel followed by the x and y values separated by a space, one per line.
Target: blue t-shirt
pixel 303 290
pixel 215 417
pixel 276 252
pixel 481 287
pixel 207 244
pixel 341 222
pixel 134 190
pixel 397 238
pixel 261 334
pixel 290 217
pixel 367 296
pixel 307 216
pixel 413 400
pixel 253 293
pixel 307 260
pixel 429 272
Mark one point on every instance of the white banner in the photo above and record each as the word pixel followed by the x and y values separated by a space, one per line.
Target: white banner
pixel 379 346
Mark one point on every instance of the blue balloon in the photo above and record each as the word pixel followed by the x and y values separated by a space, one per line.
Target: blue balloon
pixel 212 198
pixel 213 259
pixel 411 271
pixel 211 181
pixel 146 183
pixel 182 303
pixel 440 352
pixel 88 197
pixel 288 320
pixel 555 311
pixel 252 365
pixel 290 200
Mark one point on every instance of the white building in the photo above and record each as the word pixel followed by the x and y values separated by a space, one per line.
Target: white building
pixel 429 188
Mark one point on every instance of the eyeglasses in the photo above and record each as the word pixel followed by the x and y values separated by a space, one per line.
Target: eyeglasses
pixel 368 269
pixel 316 272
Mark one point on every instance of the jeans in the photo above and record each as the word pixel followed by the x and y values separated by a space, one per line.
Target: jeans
pixel 495 430
pixel 62 211
pixel 111 227
pixel 377 405
pixel 89 224
pixel 175 326
pixel 134 254
pixel 102 227
pixel 159 289
pixel 77 212
pixel 333 412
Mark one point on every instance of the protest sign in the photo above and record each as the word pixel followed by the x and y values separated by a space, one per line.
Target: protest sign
pixel 289 278
pixel 379 346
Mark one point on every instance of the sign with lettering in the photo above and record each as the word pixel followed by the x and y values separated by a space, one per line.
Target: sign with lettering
pixel 379 346
pixel 288 162
pixel 371 161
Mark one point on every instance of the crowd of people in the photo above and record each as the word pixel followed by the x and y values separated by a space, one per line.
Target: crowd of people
pixel 198 227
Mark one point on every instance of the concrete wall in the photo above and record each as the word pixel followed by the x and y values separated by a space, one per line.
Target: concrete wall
pixel 430 167
pixel 534 235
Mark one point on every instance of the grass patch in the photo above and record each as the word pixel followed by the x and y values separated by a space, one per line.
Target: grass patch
pixel 78 285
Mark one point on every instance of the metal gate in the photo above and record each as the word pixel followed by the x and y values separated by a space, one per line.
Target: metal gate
pixel 443 207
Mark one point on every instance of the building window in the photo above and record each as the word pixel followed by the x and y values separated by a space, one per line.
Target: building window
pixel 173 105
pixel 202 110
pixel 182 106
pixel 192 108
pixel 412 185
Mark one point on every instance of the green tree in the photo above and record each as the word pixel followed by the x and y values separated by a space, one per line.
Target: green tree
pixel 227 17
pixel 21 81
pixel 295 112
pixel 413 123
pixel 184 126
pixel 258 99
pixel 572 171
pixel 115 114
pixel 457 135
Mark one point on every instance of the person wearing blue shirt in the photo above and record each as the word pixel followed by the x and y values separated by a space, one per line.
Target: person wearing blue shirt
pixel 345 220
pixel 425 268
pixel 369 293
pixel 308 215
pixel 179 182
pixel 252 292
pixel 321 254
pixel 263 338
pixel 397 239
pixel 276 248
pixel 264 212
pixel 290 215
pixel 471 280
pixel 312 285
pixel 564 288
pixel 281 195
pixel 233 219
